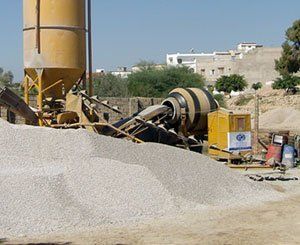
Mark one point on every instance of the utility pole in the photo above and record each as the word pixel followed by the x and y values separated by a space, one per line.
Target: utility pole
pixel 90 49
pixel 256 124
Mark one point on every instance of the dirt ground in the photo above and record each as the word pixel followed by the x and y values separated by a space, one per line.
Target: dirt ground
pixel 275 222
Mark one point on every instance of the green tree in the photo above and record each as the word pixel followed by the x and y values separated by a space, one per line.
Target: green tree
pixel 287 82
pixel 231 83
pixel 144 64
pixel 221 100
pixel 108 85
pixel 6 78
pixel 152 82
pixel 257 86
pixel 289 62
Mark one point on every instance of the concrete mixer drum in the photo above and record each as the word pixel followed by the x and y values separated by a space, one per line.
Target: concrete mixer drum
pixel 190 108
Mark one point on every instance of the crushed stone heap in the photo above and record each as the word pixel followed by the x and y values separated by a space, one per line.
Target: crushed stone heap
pixel 69 180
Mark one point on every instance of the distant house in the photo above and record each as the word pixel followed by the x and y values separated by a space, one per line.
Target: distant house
pixel 252 60
pixel 121 72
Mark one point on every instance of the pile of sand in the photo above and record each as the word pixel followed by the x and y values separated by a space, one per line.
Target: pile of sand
pixel 281 119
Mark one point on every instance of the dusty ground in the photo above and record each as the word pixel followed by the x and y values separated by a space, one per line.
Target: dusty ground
pixel 270 223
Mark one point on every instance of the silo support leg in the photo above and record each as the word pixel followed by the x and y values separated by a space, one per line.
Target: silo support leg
pixel 40 94
pixel 26 90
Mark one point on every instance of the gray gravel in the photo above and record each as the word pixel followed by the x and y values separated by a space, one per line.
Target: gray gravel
pixel 66 180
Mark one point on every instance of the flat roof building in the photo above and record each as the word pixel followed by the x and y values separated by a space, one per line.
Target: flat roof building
pixel 252 60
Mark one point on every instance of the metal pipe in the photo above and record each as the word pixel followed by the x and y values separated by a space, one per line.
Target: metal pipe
pixel 37 27
pixel 90 52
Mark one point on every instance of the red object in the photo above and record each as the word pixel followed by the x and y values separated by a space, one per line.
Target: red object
pixel 275 152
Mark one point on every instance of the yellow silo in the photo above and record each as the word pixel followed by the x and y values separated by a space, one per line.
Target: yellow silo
pixel 54 46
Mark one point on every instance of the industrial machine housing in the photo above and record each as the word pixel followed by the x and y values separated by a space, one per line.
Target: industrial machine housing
pixel 229 132
pixel 55 61
pixel 54 51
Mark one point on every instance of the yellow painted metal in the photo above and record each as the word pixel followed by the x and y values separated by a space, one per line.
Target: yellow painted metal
pixel 40 93
pixel 190 107
pixel 75 103
pixel 55 41
pixel 220 123
pixel 26 89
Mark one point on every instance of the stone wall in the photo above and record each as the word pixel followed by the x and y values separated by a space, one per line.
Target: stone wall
pixel 259 65
pixel 127 106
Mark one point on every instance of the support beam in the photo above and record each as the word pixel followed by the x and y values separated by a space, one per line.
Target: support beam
pixel 53 85
pixel 26 89
pixel 40 93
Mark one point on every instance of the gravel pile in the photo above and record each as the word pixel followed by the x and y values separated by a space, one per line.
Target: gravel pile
pixel 68 180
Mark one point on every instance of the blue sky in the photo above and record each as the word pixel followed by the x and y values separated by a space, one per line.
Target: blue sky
pixel 126 31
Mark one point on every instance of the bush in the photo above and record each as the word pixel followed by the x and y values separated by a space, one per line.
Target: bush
pixel 257 86
pixel 6 78
pixel 108 85
pixel 152 82
pixel 286 82
pixel 221 100
pixel 231 83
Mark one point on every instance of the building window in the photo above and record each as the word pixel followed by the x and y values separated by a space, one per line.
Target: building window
pixel 241 124
pixel 202 71
pixel 179 61
pixel 221 70
pixel 171 59
pixel 212 72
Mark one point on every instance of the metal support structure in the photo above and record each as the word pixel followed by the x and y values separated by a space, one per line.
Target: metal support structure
pixel 40 92
pixel 26 89
pixel 40 78
pixel 53 85
pixel 90 51
pixel 26 93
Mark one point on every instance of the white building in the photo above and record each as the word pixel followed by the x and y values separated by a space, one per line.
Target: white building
pixel 246 47
pixel 189 60
pixel 102 71
pixel 121 72
pixel 253 61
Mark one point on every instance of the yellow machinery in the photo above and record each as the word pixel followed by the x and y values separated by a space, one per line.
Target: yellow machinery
pixel 55 65
pixel 190 107
pixel 229 133
pixel 54 51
